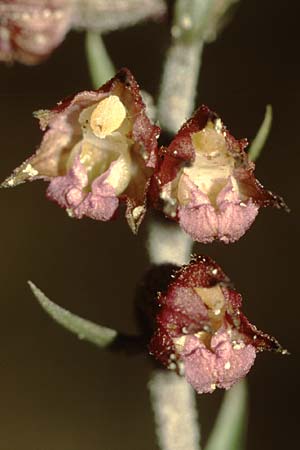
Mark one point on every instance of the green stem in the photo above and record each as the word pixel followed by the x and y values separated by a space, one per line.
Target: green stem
pixel 100 65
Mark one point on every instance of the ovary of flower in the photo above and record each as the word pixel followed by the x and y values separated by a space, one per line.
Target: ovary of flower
pixel 212 167
pixel 108 116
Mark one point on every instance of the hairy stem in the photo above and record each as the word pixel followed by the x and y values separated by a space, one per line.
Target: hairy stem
pixel 179 84
pixel 168 243
pixel 195 23
pixel 182 65
pixel 173 399
pixel 175 413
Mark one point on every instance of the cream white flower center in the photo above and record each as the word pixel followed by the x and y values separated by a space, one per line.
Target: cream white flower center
pixel 213 164
pixel 214 300
pixel 108 116
pixel 213 297
pixel 105 143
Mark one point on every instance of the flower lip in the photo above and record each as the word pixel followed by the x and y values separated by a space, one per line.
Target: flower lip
pixel 201 331
pixel 205 181
pixel 99 148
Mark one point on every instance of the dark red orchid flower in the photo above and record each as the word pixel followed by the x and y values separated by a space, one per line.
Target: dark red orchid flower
pixel 205 181
pixel 99 148
pixel 202 333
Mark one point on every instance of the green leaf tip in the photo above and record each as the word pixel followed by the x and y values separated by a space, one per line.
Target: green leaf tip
pixel 230 426
pixel 84 329
pixel 261 136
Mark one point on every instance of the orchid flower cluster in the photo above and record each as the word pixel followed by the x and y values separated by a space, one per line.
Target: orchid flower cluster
pixel 100 149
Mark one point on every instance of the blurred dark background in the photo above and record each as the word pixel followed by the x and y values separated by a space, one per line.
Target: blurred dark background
pixel 60 393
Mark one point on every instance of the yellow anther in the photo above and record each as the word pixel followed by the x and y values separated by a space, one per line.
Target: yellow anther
pixel 108 116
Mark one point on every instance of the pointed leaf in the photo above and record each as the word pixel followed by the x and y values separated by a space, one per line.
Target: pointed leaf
pixel 84 329
pixel 262 135
pixel 229 430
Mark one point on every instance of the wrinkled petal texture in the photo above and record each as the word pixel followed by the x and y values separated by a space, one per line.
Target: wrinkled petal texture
pixel 205 181
pixel 222 366
pixel 89 176
pixel 200 329
pixel 100 204
pixel 227 223
pixel 31 29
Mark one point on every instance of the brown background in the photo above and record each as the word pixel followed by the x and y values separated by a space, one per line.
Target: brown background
pixel 58 393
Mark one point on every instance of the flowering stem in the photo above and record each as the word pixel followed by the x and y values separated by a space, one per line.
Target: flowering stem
pixel 168 243
pixel 173 399
pixel 177 98
pixel 174 407
pixel 100 65
pixel 180 76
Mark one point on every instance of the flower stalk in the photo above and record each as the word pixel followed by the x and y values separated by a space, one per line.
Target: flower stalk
pixel 167 243
pixel 172 398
